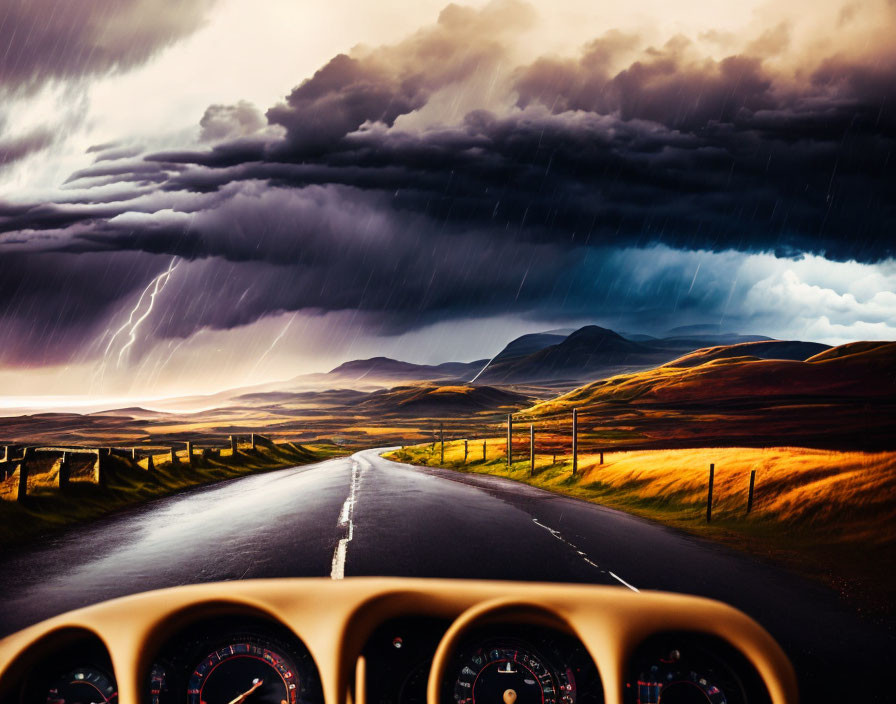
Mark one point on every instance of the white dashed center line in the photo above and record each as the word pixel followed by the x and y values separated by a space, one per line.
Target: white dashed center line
pixel 583 555
pixel 337 571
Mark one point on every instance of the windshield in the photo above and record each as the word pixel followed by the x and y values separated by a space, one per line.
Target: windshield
pixel 511 290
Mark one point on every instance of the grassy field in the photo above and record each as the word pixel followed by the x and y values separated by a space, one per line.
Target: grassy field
pixel 826 514
pixel 46 510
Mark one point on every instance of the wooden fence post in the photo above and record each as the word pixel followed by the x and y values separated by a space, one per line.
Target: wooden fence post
pixel 465 451
pixel 575 440
pixel 531 450
pixel 601 456
pixel 509 440
pixel 233 444
pixel 712 474
pixel 189 444
pixel 442 441
pixel 252 439
pixel 173 457
pixel 483 450
pixel 99 467
pixel 65 472
pixel 750 495
pixel 23 475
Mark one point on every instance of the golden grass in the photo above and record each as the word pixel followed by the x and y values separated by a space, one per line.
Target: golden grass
pixel 847 494
pixel 452 390
pixel 390 431
pixel 824 490
pixel 827 514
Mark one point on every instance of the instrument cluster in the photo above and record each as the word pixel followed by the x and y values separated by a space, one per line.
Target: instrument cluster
pixel 241 660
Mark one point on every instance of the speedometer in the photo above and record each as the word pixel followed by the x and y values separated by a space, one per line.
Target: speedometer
pixel 244 672
pixel 509 672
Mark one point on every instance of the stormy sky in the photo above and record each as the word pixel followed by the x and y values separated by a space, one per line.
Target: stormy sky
pixel 208 194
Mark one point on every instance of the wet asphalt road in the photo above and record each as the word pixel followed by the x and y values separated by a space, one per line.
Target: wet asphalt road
pixel 363 515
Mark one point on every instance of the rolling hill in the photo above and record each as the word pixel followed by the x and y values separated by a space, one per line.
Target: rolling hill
pixel 442 401
pixel 843 397
pixel 866 370
pixel 770 349
pixel 392 369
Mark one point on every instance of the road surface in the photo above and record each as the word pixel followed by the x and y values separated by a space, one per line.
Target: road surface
pixel 364 515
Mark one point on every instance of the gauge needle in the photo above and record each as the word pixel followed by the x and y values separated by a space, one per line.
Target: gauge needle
pixel 240 699
pixel 509 696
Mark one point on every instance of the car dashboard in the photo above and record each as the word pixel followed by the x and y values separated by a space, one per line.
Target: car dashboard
pixel 396 641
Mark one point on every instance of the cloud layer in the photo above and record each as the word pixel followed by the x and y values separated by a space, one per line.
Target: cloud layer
pixel 445 177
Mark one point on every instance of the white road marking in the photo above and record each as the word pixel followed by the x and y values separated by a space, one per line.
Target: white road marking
pixel 582 554
pixel 337 571
pixel 622 581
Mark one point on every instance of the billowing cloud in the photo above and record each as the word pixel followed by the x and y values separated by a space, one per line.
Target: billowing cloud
pixel 230 121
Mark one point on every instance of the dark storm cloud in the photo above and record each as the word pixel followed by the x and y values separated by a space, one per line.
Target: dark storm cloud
pixel 45 40
pixel 54 306
pixel 349 199
pixel 13 149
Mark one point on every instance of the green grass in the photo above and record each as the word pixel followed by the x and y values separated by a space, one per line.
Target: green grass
pixel 46 510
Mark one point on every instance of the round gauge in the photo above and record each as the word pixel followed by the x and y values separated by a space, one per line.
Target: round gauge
pixel 83 685
pixel 413 689
pixel 254 673
pixel 510 673
pixel 669 685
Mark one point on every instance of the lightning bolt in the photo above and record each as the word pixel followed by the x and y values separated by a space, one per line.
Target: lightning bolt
pixel 273 344
pixel 157 285
pixel 132 325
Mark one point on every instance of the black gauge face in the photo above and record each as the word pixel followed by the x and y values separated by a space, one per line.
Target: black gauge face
pixel 83 685
pixel 510 673
pixel 254 673
pixel 413 688
pixel 670 681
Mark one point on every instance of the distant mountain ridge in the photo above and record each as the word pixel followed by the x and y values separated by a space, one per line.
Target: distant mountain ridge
pixel 592 352
pixel 559 358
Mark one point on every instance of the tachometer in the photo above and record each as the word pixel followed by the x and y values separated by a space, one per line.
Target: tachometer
pixel 83 685
pixel 509 672
pixel 256 673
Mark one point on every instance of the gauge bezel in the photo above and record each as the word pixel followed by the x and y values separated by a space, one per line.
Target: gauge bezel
pixel 86 667
pixel 525 650
pixel 58 653
pixel 279 652
pixel 702 654
pixel 183 653
pixel 508 621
